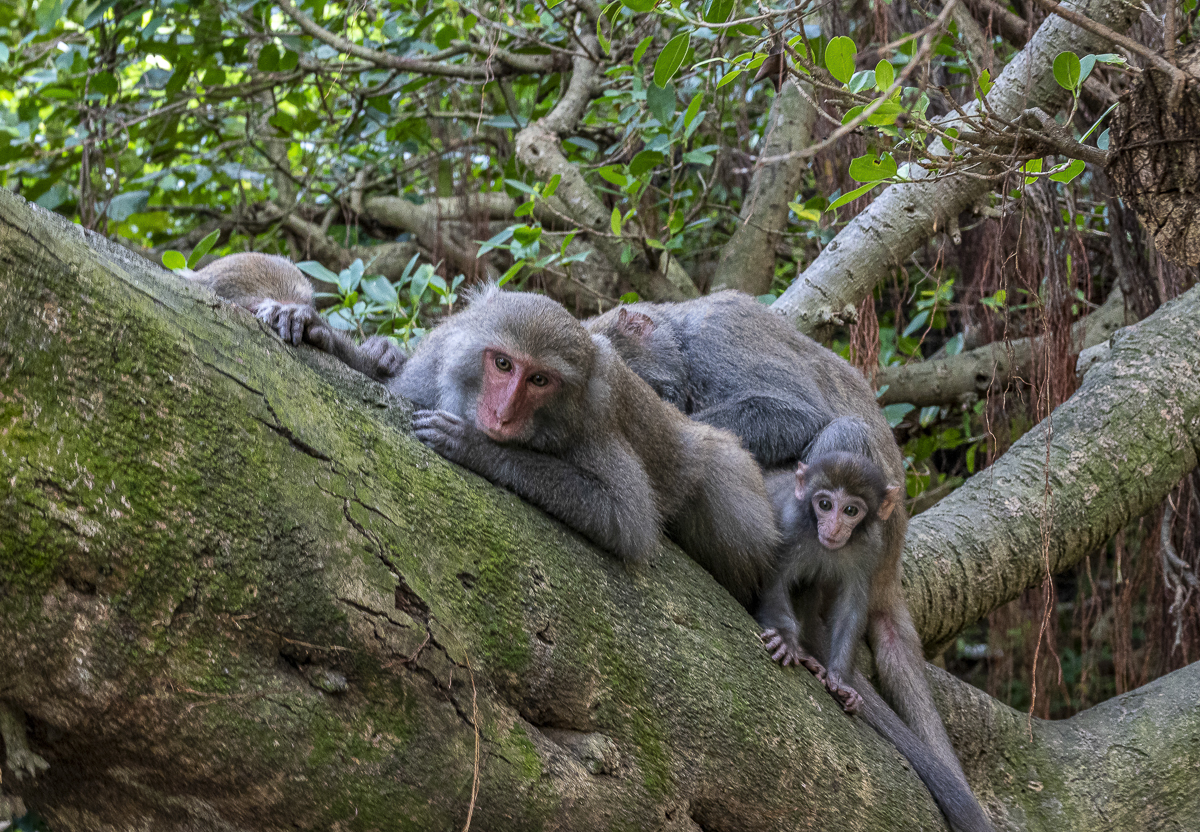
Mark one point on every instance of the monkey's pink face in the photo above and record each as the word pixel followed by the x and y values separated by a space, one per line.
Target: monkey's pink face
pixel 514 387
pixel 838 513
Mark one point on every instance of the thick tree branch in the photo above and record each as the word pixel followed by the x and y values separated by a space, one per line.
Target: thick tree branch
pixel 238 595
pixel 1110 453
pixel 748 259
pixel 971 374
pixel 904 216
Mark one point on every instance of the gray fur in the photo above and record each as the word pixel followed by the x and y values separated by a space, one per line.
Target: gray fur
pixel 280 296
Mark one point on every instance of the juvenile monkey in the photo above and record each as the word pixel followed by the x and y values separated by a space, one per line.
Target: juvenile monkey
pixel 515 389
pixel 747 370
pixel 280 296
pixel 832 512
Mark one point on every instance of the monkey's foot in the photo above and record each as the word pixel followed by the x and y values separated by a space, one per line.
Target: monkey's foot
pixel 847 697
pixel 11 808
pixel 389 360
pixel 785 650
pixel 295 323
pixel 19 759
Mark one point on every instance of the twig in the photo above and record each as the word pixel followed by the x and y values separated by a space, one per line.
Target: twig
pixel 1089 25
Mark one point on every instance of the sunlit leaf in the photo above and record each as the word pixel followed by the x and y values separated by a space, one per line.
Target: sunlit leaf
pixel 839 58
pixel 1067 70
pixel 670 59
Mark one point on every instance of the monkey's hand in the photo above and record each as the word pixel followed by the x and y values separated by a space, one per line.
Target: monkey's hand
pixel 296 323
pixel 850 699
pixel 784 649
pixel 446 433
pixel 389 361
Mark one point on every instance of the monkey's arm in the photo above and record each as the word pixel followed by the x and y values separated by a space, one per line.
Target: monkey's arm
pixel 770 427
pixel 781 629
pixel 609 502
pixel 299 323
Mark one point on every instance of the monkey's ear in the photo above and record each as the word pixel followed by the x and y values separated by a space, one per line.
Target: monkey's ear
pixel 801 470
pixel 891 499
pixel 634 323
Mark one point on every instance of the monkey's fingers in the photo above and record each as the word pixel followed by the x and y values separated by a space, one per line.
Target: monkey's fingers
pixel 850 699
pixel 388 359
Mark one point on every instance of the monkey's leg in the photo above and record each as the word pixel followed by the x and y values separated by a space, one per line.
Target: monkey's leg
pixel 781 628
pixel 848 617
pixel 728 525
pixel 773 428
pixel 607 497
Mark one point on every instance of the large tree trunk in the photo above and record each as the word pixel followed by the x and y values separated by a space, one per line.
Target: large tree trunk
pixel 236 594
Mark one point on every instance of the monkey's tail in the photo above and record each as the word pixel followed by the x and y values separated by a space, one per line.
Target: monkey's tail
pixel 948 787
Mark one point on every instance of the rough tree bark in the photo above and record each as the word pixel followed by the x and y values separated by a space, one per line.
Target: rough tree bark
pixel 235 594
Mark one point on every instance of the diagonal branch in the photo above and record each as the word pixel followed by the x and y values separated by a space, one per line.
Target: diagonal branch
pixel 906 215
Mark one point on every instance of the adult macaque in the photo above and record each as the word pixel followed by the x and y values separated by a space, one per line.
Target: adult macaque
pixel 280 296
pixel 745 369
pixel 515 389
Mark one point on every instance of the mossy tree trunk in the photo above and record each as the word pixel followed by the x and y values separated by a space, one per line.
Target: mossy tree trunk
pixel 236 594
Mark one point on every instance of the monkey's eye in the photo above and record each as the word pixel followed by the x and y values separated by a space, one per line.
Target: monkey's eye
pixel 539 380
pixel 825 505
pixel 851 511
pixel 504 364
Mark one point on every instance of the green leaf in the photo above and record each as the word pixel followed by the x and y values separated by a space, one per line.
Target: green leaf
pixel 850 197
pixel 697 157
pixel 919 320
pixel 3 53
pixel 871 168
pixel 728 77
pixel 491 243
pixel 885 114
pixel 521 186
pixel 641 49
pixel 1067 70
pixel 947 142
pixel 524 209
pixel 802 213
pixel 380 290
pixel 174 260
pixel 566 242
pixel 670 59
pixel 885 75
pixel 860 81
pixel 630 297
pixel 126 205
pixel 609 173
pixel 661 102
pixel 526 234
pixel 268 58
pixel 645 161
pixel 203 247
pixel 615 221
pixel 895 413
pixel 314 269
pixel 1102 140
pixel 512 272
pixel 985 82
pixel 1086 65
pixel 693 109
pixel 47 14
pixel 639 6
pixel 839 58
pixel 1070 172
pixel 104 83
pixel 717 11
pixel 1032 166
pixel 551 186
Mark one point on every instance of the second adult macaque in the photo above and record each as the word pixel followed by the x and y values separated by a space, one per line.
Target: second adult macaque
pixel 280 296
pixel 515 388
